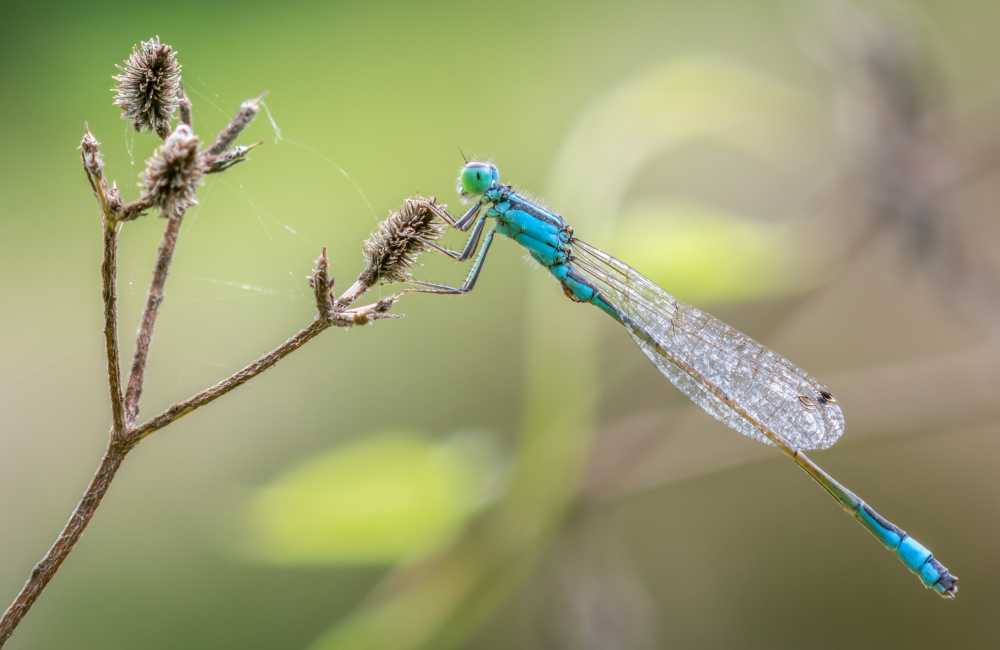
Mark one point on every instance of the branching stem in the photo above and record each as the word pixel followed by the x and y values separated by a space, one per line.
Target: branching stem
pixel 109 274
pixel 46 569
pixel 154 298
pixel 400 242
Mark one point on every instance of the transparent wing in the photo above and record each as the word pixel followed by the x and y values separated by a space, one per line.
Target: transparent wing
pixel 736 379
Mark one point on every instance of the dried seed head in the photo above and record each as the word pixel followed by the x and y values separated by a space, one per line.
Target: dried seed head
pixel 391 252
pixel 115 203
pixel 93 163
pixel 173 173
pixel 147 87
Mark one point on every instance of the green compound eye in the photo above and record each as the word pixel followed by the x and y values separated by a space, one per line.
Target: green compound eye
pixel 477 177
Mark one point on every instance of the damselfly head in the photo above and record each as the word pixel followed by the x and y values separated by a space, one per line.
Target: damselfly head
pixel 476 178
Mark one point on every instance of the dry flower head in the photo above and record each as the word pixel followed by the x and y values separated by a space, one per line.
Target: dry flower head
pixel 173 173
pixel 391 251
pixel 147 87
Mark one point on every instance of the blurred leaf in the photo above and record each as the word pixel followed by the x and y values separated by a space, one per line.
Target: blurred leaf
pixel 387 497
pixel 704 255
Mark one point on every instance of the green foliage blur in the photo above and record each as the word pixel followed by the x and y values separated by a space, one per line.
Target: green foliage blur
pixel 505 469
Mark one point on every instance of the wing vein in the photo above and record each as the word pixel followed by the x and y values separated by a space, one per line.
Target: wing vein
pixel 733 377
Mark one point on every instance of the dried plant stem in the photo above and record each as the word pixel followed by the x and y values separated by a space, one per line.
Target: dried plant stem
pixel 113 457
pixel 176 411
pixel 169 183
pixel 47 567
pixel 121 444
pixel 248 111
pixel 109 275
pixel 153 301
pixel 125 436
pixel 184 105
pixel 353 293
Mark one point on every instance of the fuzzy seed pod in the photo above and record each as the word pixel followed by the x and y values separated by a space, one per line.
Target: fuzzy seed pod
pixel 391 252
pixel 147 87
pixel 173 173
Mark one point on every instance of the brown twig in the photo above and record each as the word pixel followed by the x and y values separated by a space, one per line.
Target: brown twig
pixel 46 569
pixel 109 274
pixel 176 411
pixel 169 183
pixel 248 110
pixel 183 105
pixel 110 203
pixel 154 299
pixel 130 436
pixel 325 318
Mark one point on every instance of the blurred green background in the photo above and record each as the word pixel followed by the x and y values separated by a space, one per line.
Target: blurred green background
pixel 505 469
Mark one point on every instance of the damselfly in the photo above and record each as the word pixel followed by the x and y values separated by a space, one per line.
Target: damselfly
pixel 736 379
